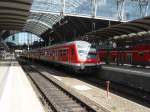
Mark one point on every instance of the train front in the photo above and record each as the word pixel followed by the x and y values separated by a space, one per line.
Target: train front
pixel 88 58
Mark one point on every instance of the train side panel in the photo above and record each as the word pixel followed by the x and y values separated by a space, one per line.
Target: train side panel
pixel 137 55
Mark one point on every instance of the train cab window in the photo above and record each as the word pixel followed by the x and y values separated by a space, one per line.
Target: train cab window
pixel 82 52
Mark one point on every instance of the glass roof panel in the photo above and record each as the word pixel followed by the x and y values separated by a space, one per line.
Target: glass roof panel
pixel 47 18
pixel 123 10
pixel 80 7
pixel 133 6
pixel 49 12
pixel 36 27
pixel 107 8
pixel 47 5
pixel 44 20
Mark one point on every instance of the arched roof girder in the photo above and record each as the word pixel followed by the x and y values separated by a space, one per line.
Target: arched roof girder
pixel 129 29
pixel 139 26
pixel 121 29
pixel 41 22
pixel 107 32
pixel 145 24
pixel 104 35
pixel 11 22
pixel 36 27
pixel 113 32
pixel 143 21
pixel 14 13
pixel 95 36
pixel 10 26
pixel 11 18
pixel 135 26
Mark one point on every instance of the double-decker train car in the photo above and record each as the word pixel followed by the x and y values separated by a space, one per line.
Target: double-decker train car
pixel 79 56
pixel 135 55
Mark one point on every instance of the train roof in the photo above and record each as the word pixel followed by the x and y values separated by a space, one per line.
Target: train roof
pixel 79 42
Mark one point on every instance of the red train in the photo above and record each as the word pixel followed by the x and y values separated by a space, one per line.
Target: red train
pixel 135 55
pixel 79 56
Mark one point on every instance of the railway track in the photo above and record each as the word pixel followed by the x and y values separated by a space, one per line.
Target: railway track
pixel 131 93
pixel 58 99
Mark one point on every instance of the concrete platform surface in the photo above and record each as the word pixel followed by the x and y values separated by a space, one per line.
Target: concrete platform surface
pixel 16 92
pixel 113 103
pixel 129 69
pixel 127 75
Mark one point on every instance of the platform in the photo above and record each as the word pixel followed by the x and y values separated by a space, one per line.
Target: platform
pixel 137 77
pixel 94 96
pixel 16 92
pixel 129 69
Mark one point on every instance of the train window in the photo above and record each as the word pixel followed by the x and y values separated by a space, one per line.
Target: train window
pixel 141 53
pixel 53 53
pixel 64 52
pixel 45 53
pixel 50 53
pixel 61 53
pixel 72 51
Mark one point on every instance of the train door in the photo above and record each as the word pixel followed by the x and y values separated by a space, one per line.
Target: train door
pixel 129 58
pixel 53 55
pixel 67 55
pixel 71 54
pixel 56 55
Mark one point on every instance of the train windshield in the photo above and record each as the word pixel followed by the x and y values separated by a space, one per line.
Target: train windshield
pixel 86 52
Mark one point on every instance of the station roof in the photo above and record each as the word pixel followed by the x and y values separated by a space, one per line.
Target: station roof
pixel 70 28
pixel 63 18
pixel 14 13
pixel 39 22
pixel 136 27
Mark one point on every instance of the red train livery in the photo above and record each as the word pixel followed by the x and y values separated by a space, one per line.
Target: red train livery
pixel 135 55
pixel 80 56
